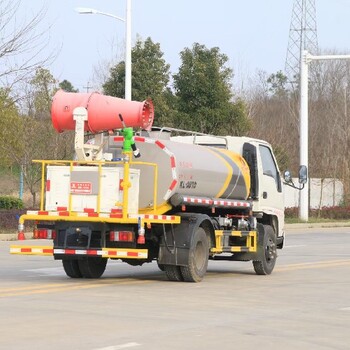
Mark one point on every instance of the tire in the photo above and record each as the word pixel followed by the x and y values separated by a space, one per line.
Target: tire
pixel 92 267
pixel 198 257
pixel 173 273
pixel 71 268
pixel 267 250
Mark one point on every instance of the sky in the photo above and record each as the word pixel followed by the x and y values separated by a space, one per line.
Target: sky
pixel 252 33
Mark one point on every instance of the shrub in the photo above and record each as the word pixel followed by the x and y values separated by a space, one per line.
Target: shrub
pixel 8 202
pixel 332 213
pixel 9 218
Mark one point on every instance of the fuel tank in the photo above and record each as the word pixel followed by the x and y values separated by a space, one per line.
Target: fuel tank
pixel 188 169
pixel 103 111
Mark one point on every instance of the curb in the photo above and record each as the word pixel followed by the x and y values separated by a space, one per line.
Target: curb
pixel 304 225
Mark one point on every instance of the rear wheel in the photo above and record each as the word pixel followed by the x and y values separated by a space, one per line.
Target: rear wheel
pixel 198 257
pixel 173 273
pixel 92 267
pixel 71 268
pixel 267 251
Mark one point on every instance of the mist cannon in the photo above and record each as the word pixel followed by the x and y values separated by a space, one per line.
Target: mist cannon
pixel 102 111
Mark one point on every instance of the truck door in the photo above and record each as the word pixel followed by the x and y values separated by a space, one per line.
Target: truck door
pixel 270 185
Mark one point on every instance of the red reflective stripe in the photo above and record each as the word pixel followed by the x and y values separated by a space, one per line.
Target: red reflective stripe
pixel 69 251
pixel 159 144
pixel 172 162
pixel 93 215
pixel 26 250
pixel 173 184
pixel 61 208
pixel 47 250
pixel 43 212
pixel 116 215
pixel 132 254
pixel 113 252
pixel 89 210
pixel 139 139
pixel 48 183
pixel 63 213
pixel 91 252
pixel 115 210
pixel 119 139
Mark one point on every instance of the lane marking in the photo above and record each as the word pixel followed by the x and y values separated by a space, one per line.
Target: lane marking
pixel 68 286
pixel 121 346
pixel 345 309
pixel 294 246
pixel 63 287
pixel 314 265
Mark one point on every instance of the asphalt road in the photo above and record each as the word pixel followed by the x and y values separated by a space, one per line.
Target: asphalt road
pixel 304 304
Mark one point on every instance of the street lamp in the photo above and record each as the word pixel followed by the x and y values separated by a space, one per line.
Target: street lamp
pixel 127 21
pixel 307 58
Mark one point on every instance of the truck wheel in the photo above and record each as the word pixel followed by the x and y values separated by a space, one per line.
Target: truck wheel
pixel 267 250
pixel 198 258
pixel 92 267
pixel 173 273
pixel 71 268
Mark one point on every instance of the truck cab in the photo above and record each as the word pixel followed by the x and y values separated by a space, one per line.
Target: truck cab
pixel 266 183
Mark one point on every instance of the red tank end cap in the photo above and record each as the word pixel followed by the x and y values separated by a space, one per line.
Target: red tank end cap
pixel 103 112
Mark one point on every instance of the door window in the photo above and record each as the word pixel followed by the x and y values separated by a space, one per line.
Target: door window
pixel 269 165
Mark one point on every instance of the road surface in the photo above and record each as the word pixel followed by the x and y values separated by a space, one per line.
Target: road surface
pixel 304 304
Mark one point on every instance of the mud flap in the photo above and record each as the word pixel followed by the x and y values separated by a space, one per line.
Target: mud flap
pixel 176 240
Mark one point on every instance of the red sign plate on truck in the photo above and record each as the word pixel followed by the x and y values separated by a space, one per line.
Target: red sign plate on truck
pixel 81 187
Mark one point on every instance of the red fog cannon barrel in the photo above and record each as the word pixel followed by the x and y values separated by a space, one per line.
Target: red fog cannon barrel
pixel 103 111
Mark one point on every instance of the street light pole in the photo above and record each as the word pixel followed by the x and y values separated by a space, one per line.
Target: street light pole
pixel 127 20
pixel 304 132
pixel 306 58
pixel 128 51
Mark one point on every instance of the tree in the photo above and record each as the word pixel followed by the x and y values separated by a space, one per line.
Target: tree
pixel 204 96
pixel 67 86
pixel 9 124
pixel 44 85
pixel 31 136
pixel 21 44
pixel 150 77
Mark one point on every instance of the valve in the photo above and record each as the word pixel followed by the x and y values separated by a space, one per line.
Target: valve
pixel 129 143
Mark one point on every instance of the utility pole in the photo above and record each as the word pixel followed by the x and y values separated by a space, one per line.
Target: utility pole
pixel 87 87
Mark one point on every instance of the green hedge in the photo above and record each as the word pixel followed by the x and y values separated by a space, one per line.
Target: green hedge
pixel 8 202
pixel 332 213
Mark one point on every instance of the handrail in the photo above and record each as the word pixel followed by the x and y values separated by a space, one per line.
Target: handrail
pixel 99 164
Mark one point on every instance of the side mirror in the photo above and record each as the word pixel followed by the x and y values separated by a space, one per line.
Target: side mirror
pixel 302 178
pixel 303 174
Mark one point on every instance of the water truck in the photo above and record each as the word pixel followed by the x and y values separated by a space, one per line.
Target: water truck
pixel 177 197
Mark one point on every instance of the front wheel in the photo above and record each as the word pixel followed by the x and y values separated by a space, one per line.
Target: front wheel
pixel 267 250
pixel 198 257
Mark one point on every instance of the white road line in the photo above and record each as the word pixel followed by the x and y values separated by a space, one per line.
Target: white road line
pixel 294 246
pixel 345 309
pixel 121 346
